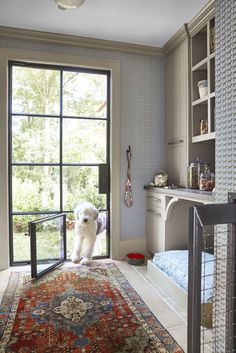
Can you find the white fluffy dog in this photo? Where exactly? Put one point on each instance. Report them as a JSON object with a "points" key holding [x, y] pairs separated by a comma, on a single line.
{"points": [[85, 232]]}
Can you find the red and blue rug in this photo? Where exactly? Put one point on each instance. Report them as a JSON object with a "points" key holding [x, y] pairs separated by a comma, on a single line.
{"points": [[79, 309]]}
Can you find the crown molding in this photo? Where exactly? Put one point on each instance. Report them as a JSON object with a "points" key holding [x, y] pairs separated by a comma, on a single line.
{"points": [[176, 39], [199, 21], [189, 29], [69, 40], [63, 39]]}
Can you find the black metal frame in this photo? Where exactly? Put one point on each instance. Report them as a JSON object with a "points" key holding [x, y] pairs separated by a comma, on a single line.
{"points": [[62, 69], [231, 304], [201, 216], [33, 245]]}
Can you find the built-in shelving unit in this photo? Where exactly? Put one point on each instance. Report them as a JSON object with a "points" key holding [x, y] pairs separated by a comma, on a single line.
{"points": [[203, 68], [190, 58]]}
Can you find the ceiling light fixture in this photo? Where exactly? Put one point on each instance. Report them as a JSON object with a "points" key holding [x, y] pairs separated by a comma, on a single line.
{"points": [[69, 4]]}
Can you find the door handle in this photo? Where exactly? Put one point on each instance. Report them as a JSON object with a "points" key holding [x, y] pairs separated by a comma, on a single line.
{"points": [[175, 142], [104, 179]]}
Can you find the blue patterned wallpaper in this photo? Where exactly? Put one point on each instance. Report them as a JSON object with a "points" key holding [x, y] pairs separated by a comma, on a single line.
{"points": [[225, 98], [142, 121], [225, 26]]}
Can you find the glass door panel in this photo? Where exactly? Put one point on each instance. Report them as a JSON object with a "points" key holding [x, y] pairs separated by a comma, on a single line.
{"points": [[81, 183], [85, 94], [35, 90], [21, 238], [35, 188], [84, 141], [35, 139], [48, 243]]}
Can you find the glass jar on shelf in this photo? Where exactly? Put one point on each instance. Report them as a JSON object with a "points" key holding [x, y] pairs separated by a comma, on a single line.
{"points": [[160, 178], [207, 181], [193, 175]]}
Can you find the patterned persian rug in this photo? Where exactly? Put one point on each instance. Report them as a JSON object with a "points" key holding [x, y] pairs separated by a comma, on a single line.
{"points": [[79, 309]]}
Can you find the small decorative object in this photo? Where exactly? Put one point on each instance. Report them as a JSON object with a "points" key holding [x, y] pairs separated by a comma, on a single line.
{"points": [[203, 88], [161, 178], [193, 176], [212, 39], [203, 127], [135, 259]]}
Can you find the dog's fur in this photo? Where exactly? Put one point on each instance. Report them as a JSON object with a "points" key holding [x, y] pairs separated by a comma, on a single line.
{"points": [[85, 232]]}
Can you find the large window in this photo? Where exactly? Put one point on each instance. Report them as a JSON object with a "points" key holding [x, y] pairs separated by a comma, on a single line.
{"points": [[58, 137]]}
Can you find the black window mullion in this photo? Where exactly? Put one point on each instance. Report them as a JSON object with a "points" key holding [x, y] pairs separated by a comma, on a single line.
{"points": [[29, 213], [83, 118], [43, 116], [10, 164], [80, 164], [108, 244], [61, 140], [37, 164], [58, 67]]}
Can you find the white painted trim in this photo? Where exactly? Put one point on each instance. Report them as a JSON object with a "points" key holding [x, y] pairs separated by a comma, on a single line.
{"points": [[199, 21], [176, 39], [83, 42], [169, 207], [4, 210], [68, 60], [132, 245], [170, 287], [190, 28]]}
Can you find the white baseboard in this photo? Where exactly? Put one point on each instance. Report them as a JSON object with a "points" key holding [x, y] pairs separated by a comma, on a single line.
{"points": [[132, 245]]}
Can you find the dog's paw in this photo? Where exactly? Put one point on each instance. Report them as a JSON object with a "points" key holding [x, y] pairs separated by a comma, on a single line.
{"points": [[85, 261], [75, 259]]}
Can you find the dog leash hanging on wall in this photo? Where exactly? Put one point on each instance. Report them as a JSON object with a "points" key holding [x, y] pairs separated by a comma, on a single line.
{"points": [[128, 185]]}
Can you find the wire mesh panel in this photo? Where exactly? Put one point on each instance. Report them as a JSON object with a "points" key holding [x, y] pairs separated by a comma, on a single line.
{"points": [[211, 301]]}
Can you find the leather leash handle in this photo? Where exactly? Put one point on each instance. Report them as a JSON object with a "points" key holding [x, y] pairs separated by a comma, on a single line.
{"points": [[128, 184]]}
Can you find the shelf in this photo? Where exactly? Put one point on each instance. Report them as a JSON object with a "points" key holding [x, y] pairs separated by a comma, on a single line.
{"points": [[202, 57], [200, 64], [212, 55], [203, 62], [212, 95], [205, 137], [201, 100]]}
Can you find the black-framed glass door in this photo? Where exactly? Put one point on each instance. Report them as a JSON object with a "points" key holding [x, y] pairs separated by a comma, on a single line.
{"points": [[59, 137], [43, 233]]}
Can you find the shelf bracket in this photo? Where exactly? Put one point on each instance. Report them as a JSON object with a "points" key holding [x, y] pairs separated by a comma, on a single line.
{"points": [[170, 206]]}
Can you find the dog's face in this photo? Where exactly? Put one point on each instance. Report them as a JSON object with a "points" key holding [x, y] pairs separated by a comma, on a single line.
{"points": [[85, 213]]}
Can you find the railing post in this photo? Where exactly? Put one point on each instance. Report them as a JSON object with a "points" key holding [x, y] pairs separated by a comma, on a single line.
{"points": [[194, 282]]}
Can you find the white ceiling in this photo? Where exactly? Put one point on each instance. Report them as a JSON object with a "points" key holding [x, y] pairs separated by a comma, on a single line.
{"points": [[147, 22]]}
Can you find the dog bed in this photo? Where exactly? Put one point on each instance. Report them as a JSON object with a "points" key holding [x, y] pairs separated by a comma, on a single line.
{"points": [[169, 269]]}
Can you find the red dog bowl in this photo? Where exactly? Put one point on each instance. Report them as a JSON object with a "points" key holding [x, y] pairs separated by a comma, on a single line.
{"points": [[135, 259]]}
